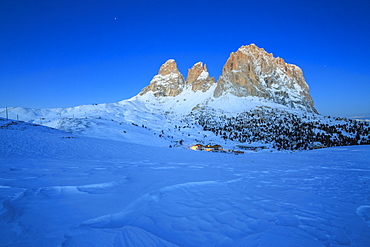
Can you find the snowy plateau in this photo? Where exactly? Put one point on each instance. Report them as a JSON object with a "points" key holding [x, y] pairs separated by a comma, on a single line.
{"points": [[124, 174]]}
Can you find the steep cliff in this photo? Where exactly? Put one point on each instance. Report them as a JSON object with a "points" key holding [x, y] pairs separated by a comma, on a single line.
{"points": [[198, 78], [251, 71], [168, 82]]}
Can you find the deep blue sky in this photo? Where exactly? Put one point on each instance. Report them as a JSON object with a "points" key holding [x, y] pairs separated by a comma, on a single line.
{"points": [[63, 53]]}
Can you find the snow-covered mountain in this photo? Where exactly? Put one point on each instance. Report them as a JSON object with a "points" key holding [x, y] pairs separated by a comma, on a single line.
{"points": [[103, 175], [249, 72], [258, 100]]}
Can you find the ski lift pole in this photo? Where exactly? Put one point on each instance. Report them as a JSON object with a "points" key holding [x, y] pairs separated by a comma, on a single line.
{"points": [[6, 110]]}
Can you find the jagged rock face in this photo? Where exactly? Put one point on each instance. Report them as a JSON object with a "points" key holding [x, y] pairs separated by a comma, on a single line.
{"points": [[198, 78], [168, 82], [251, 71]]}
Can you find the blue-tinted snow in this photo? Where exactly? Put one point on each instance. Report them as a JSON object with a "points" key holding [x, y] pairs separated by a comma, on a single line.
{"points": [[57, 189]]}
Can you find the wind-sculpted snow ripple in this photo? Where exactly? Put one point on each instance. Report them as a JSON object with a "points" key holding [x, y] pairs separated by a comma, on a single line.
{"points": [[60, 191], [215, 213], [101, 188], [364, 212]]}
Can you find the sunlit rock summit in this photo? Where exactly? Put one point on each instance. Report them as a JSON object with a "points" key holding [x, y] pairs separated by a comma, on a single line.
{"points": [[168, 82], [199, 78], [250, 71]]}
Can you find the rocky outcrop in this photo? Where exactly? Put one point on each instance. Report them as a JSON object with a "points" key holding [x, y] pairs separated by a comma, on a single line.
{"points": [[168, 82], [198, 78], [251, 71]]}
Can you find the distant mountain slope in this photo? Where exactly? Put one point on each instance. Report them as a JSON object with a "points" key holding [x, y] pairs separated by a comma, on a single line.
{"points": [[258, 100]]}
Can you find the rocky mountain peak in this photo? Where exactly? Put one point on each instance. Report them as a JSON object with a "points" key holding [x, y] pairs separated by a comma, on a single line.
{"points": [[198, 78], [168, 82], [169, 67], [251, 71]]}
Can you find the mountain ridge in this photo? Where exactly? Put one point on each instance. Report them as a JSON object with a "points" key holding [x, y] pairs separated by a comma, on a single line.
{"points": [[173, 110], [250, 71]]}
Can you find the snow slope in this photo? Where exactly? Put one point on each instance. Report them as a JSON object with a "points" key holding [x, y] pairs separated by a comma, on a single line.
{"points": [[142, 119], [197, 117], [63, 189]]}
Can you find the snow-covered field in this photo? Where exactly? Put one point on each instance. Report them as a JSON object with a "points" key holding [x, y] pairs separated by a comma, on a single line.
{"points": [[61, 189]]}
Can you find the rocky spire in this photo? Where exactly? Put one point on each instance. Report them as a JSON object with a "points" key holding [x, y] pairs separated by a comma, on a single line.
{"points": [[168, 82], [198, 78], [251, 71]]}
